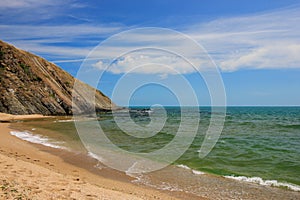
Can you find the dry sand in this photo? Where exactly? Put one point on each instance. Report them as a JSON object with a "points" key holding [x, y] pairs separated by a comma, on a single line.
{"points": [[29, 173], [4, 117], [32, 171]]}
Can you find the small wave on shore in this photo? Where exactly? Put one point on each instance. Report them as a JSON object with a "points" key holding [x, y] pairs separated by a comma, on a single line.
{"points": [[37, 139], [196, 172], [95, 156], [260, 181]]}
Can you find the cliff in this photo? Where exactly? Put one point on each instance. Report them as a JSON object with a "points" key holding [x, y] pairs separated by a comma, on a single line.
{"points": [[31, 85]]}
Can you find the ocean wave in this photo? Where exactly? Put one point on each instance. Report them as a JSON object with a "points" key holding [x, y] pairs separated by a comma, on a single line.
{"points": [[260, 181], [289, 126], [95, 156], [65, 120], [196, 172], [131, 171], [37, 139], [100, 160], [75, 120], [184, 167]]}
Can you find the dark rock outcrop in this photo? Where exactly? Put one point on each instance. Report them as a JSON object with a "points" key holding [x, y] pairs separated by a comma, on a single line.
{"points": [[31, 85]]}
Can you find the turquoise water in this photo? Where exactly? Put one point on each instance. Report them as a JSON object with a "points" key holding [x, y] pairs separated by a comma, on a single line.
{"points": [[261, 142], [255, 142]]}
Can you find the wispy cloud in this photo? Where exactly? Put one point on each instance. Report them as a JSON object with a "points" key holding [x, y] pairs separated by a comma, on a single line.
{"points": [[269, 40], [35, 11], [15, 4], [261, 41], [58, 33], [147, 64], [58, 42]]}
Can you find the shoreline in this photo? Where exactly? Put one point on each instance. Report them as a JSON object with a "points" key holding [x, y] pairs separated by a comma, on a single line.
{"points": [[79, 170], [8, 118], [40, 172]]}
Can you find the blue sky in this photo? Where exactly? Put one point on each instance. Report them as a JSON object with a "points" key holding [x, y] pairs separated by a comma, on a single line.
{"points": [[254, 44]]}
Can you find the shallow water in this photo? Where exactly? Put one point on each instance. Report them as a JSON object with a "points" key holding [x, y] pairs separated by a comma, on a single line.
{"points": [[257, 144]]}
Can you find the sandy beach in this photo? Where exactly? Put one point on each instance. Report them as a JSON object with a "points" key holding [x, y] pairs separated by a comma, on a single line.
{"points": [[35, 171], [27, 172]]}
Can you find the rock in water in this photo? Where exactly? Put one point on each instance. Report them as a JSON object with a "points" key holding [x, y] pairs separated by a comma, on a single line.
{"points": [[31, 85]]}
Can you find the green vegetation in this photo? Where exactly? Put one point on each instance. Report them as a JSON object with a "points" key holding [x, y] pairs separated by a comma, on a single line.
{"points": [[26, 68], [37, 78], [52, 95], [67, 83]]}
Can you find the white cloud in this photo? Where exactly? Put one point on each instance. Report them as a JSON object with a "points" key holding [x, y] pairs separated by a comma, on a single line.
{"points": [[22, 3], [58, 33], [47, 39], [270, 40], [272, 56], [262, 41], [25, 4], [145, 64], [36, 11]]}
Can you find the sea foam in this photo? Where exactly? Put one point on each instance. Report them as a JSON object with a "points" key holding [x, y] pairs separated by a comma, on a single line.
{"points": [[37, 139], [260, 181], [184, 167], [196, 172], [95, 156]]}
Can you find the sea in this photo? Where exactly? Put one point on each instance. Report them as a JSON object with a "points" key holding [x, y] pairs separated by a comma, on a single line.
{"points": [[260, 145]]}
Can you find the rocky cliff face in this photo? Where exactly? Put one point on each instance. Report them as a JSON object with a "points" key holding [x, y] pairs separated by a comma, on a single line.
{"points": [[31, 85]]}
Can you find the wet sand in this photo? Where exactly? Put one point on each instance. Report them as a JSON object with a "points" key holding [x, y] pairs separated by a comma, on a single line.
{"points": [[33, 171], [30, 171]]}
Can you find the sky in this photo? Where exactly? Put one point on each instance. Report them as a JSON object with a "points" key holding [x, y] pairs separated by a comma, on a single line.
{"points": [[167, 52]]}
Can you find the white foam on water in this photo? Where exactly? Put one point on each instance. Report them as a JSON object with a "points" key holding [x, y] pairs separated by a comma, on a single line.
{"points": [[196, 172], [144, 179], [75, 119], [184, 167], [260, 181], [66, 120], [37, 139], [136, 170], [95, 156]]}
